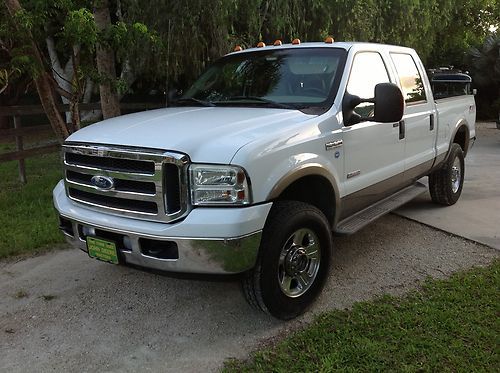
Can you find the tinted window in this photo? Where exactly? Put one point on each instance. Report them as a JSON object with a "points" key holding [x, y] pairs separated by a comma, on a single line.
{"points": [[411, 81], [367, 71], [299, 78]]}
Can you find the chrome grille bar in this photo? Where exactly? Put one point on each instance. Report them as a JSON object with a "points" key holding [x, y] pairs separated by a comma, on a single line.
{"points": [[138, 177]]}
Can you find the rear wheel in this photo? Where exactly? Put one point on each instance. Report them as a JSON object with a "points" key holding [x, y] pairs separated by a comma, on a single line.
{"points": [[293, 262], [445, 184]]}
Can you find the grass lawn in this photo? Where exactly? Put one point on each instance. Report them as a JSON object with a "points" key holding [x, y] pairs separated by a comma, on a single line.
{"points": [[28, 222], [449, 325]]}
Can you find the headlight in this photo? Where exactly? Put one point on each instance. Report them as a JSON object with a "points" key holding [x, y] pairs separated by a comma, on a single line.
{"points": [[218, 185]]}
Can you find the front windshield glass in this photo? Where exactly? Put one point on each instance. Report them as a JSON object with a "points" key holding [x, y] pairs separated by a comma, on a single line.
{"points": [[303, 78]]}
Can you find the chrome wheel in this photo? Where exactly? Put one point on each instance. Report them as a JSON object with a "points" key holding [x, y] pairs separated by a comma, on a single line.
{"points": [[299, 263], [456, 175]]}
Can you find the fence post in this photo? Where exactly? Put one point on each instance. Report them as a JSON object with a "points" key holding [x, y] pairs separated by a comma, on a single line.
{"points": [[19, 147]]}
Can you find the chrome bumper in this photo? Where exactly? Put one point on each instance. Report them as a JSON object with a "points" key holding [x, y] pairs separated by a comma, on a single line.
{"points": [[189, 255]]}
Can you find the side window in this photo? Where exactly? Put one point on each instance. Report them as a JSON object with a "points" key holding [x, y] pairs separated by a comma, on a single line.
{"points": [[411, 81], [368, 69]]}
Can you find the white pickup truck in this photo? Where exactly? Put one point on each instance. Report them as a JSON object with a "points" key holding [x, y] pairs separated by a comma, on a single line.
{"points": [[270, 152]]}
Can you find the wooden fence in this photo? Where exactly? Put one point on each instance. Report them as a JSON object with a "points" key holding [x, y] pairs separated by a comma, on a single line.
{"points": [[18, 131]]}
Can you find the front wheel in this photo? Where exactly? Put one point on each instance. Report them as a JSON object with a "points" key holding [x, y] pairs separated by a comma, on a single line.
{"points": [[445, 184], [294, 260]]}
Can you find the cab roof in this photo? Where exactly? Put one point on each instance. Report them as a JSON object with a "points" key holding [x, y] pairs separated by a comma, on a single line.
{"points": [[343, 45]]}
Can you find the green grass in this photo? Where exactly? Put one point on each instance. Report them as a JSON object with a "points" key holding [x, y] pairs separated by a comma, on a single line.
{"points": [[449, 325], [28, 222]]}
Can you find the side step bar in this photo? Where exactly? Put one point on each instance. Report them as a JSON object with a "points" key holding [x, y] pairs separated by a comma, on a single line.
{"points": [[362, 218]]}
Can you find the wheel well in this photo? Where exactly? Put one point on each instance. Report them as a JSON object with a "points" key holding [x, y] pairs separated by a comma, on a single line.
{"points": [[462, 138], [315, 190]]}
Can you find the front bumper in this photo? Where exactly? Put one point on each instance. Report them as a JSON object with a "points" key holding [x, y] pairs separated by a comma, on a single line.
{"points": [[208, 240]]}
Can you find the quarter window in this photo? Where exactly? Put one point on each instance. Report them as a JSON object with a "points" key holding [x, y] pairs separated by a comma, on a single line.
{"points": [[409, 77], [368, 70]]}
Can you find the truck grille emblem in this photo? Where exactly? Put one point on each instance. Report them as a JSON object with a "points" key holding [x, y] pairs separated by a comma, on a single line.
{"points": [[103, 182]]}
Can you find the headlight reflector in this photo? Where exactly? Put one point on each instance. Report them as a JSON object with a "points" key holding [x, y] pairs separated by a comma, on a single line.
{"points": [[218, 185]]}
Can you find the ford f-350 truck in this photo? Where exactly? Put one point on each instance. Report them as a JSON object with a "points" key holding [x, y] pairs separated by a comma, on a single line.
{"points": [[271, 152]]}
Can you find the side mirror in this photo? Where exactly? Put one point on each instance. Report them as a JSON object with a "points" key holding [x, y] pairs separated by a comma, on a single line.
{"points": [[388, 105]]}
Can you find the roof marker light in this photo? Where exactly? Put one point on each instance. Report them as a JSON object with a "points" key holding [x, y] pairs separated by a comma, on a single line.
{"points": [[296, 41], [261, 44], [278, 43], [329, 40], [238, 48]]}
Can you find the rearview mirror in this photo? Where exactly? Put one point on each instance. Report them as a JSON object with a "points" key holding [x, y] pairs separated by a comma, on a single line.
{"points": [[388, 105], [173, 95]]}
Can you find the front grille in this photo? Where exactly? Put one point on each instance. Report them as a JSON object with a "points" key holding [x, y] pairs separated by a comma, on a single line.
{"points": [[120, 184], [112, 164], [146, 184], [113, 202]]}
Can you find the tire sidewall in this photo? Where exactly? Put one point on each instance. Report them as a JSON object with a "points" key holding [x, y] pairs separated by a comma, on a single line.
{"points": [[275, 236], [455, 153]]}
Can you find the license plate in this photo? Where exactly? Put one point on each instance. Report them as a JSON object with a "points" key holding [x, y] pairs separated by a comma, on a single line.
{"points": [[102, 249]]}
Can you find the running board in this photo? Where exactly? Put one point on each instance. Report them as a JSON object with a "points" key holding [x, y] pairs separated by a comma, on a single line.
{"points": [[359, 220]]}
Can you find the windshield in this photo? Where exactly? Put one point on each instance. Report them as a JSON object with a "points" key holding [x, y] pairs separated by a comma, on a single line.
{"points": [[303, 78]]}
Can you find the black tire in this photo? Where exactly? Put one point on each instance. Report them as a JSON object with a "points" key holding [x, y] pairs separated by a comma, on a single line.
{"points": [[444, 185], [263, 286]]}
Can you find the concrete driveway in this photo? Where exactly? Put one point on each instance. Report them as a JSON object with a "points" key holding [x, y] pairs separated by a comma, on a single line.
{"points": [[66, 312], [477, 214]]}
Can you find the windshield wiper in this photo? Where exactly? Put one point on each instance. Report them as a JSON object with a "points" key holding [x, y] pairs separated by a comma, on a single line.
{"points": [[260, 100], [192, 99]]}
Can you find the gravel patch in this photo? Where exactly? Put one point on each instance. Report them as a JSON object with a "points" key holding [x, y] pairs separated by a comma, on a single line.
{"points": [[77, 314]]}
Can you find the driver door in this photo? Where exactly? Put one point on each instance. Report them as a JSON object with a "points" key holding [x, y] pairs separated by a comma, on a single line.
{"points": [[374, 152]]}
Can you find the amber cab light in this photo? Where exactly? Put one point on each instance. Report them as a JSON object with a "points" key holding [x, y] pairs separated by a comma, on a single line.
{"points": [[296, 41], [261, 44], [277, 43], [329, 40]]}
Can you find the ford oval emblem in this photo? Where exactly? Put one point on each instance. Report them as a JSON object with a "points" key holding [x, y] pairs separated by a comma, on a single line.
{"points": [[103, 182]]}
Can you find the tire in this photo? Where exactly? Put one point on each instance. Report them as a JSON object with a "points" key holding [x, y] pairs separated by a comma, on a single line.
{"points": [[293, 262], [445, 184]]}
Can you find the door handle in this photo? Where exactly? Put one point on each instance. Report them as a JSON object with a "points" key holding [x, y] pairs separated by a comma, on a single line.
{"points": [[431, 124], [402, 130]]}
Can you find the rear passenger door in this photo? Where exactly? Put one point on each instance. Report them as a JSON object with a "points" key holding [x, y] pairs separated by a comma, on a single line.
{"points": [[419, 116]]}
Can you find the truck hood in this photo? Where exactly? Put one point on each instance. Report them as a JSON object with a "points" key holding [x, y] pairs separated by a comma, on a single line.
{"points": [[207, 134]]}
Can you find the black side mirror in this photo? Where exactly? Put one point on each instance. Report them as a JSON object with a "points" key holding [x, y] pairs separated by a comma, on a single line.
{"points": [[389, 103]]}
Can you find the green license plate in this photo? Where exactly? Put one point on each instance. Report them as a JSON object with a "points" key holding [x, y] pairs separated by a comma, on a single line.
{"points": [[102, 250]]}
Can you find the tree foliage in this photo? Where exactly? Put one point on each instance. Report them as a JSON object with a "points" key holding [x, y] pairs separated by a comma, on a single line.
{"points": [[484, 63], [162, 43]]}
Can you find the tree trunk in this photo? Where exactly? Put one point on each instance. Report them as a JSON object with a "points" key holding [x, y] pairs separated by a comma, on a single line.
{"points": [[106, 64], [63, 76], [47, 95]]}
